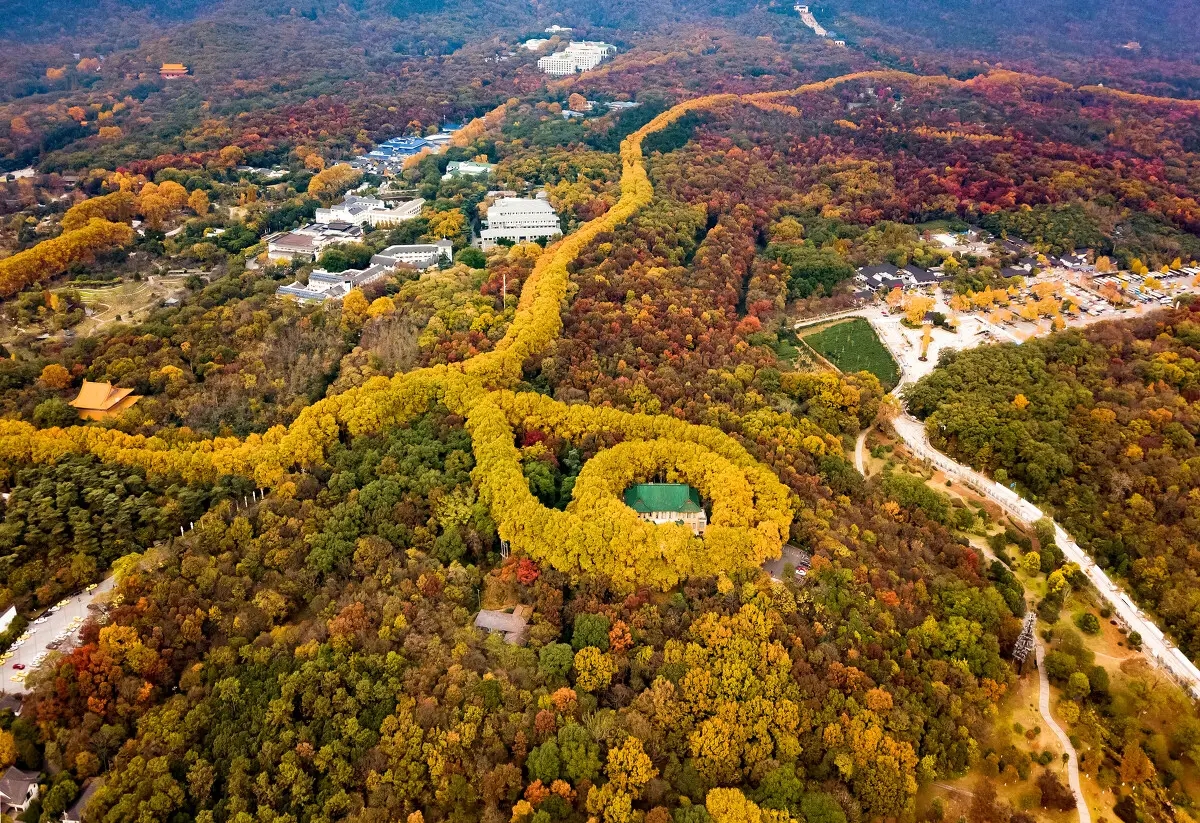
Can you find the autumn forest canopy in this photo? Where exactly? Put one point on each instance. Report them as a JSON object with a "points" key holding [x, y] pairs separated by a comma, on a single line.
{"points": [[311, 508]]}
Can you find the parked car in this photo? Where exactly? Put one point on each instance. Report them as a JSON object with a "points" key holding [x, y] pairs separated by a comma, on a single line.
{"points": [[18, 666]]}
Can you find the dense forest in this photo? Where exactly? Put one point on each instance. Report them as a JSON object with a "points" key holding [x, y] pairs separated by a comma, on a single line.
{"points": [[311, 655]]}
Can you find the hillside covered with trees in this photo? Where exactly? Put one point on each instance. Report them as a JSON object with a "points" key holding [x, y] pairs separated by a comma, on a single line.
{"points": [[436, 443]]}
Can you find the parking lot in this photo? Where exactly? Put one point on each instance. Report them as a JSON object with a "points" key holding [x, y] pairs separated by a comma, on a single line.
{"points": [[61, 624]]}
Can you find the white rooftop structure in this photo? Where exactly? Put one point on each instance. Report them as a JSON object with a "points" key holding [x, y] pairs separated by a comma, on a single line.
{"points": [[421, 256], [358, 210], [466, 168], [513, 627], [520, 220], [580, 55], [535, 44]]}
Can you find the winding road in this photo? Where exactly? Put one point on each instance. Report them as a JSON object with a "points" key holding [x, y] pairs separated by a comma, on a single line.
{"points": [[1161, 651], [1157, 647]]}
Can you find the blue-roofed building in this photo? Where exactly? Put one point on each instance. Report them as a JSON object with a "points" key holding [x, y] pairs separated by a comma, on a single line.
{"points": [[399, 147]]}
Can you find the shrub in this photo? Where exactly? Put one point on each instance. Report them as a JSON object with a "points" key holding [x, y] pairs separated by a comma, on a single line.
{"points": [[472, 257], [1088, 623], [1060, 665]]}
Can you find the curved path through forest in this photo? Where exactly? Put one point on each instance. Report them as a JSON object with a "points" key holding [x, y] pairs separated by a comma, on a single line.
{"points": [[1157, 647], [1039, 649], [1085, 815], [860, 448]]}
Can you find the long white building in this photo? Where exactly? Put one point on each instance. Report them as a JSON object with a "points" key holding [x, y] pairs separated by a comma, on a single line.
{"points": [[581, 55], [420, 256], [357, 210], [519, 219]]}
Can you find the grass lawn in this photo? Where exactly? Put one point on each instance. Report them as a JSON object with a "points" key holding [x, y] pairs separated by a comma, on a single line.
{"points": [[852, 345]]}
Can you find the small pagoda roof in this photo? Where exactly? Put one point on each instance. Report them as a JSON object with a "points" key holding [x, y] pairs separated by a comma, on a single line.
{"points": [[104, 397], [645, 498]]}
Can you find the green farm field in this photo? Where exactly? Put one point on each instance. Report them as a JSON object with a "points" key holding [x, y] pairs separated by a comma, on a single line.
{"points": [[851, 346]]}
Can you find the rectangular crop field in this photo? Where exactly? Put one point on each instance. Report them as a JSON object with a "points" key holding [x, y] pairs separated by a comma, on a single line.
{"points": [[853, 346]]}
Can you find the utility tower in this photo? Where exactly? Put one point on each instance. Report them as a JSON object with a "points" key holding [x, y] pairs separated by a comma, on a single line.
{"points": [[1024, 644]]}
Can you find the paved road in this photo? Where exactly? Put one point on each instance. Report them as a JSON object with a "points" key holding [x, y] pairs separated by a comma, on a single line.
{"points": [[58, 622], [1039, 651], [1159, 650], [1085, 816], [860, 446], [1157, 647]]}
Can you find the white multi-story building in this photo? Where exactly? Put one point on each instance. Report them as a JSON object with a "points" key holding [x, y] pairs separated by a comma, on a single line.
{"points": [[580, 55], [358, 210], [520, 220], [323, 285]]}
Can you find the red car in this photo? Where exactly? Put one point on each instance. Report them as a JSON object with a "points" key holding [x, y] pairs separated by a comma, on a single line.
{"points": [[18, 666]]}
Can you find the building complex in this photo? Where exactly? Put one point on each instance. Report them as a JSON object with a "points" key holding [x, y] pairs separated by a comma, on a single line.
{"points": [[389, 156], [580, 55], [467, 168], [357, 210], [306, 244], [324, 285]]}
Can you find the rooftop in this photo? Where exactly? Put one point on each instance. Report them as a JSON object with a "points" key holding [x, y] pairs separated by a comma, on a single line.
{"points": [[103, 397], [14, 785], [76, 810], [645, 498], [512, 625]]}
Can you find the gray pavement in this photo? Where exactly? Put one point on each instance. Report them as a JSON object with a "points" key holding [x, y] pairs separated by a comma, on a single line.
{"points": [[63, 622]]}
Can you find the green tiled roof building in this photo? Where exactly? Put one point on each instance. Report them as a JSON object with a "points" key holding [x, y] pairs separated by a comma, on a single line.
{"points": [[668, 503]]}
